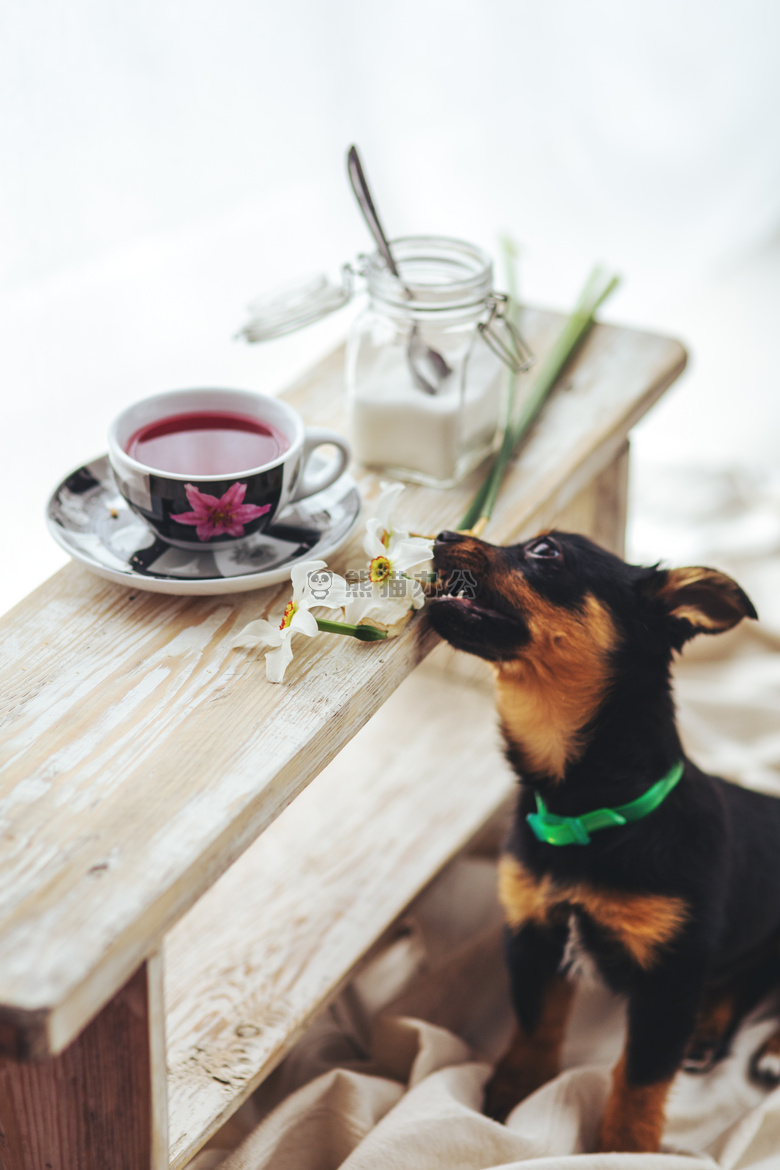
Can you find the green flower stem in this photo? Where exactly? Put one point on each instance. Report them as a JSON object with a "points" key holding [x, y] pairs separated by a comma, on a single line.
{"points": [[573, 333], [362, 633], [510, 252], [474, 510], [489, 489]]}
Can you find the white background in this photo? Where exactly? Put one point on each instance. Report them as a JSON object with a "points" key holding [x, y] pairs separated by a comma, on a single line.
{"points": [[163, 162]]}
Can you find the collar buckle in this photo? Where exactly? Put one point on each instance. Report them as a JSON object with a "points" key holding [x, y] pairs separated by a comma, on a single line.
{"points": [[558, 830], [554, 830]]}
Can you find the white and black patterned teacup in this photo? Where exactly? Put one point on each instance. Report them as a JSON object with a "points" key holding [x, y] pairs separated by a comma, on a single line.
{"points": [[193, 510]]}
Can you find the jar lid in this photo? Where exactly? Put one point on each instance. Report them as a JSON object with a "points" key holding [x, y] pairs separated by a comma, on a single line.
{"points": [[291, 306], [435, 274]]}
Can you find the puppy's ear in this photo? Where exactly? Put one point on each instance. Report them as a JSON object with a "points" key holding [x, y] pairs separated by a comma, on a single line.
{"points": [[703, 601]]}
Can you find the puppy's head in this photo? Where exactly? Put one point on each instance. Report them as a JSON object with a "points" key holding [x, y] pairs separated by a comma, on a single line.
{"points": [[562, 620], [507, 603]]}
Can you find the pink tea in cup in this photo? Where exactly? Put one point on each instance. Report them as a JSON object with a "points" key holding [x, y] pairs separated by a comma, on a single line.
{"points": [[206, 442]]}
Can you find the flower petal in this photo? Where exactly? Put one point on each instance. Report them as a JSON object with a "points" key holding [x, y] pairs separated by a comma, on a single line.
{"points": [[372, 541], [234, 496], [300, 575], [407, 561], [277, 661], [188, 518], [404, 538], [246, 512], [304, 623], [387, 502], [404, 554], [200, 501], [360, 603], [259, 632], [330, 596], [416, 593]]}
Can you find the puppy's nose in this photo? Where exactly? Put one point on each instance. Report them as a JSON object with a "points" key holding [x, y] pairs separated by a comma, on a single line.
{"points": [[448, 537]]}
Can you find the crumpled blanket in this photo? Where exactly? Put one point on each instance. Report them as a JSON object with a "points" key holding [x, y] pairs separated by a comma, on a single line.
{"points": [[392, 1075]]}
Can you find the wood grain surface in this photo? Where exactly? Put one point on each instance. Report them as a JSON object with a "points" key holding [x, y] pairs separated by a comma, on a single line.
{"points": [[272, 942], [102, 1102], [141, 754]]}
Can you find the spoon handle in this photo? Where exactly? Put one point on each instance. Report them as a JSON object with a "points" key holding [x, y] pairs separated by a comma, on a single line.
{"points": [[363, 196]]}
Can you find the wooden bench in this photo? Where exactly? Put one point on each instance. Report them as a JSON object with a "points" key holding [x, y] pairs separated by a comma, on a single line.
{"points": [[143, 758]]}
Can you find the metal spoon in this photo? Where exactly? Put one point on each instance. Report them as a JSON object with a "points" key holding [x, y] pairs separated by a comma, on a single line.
{"points": [[427, 367]]}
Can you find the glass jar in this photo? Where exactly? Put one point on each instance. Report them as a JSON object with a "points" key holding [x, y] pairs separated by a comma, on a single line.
{"points": [[426, 359], [426, 362]]}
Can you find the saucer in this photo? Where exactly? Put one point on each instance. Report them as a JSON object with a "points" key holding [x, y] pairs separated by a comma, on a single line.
{"points": [[88, 517]]}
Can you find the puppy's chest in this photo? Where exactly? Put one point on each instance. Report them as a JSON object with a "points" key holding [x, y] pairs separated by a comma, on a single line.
{"points": [[578, 962], [640, 926]]}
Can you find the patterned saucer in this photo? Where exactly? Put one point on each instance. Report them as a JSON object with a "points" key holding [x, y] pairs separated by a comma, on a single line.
{"points": [[87, 516]]}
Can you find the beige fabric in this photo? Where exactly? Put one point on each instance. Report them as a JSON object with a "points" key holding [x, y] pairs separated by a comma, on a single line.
{"points": [[392, 1076], [413, 1098]]}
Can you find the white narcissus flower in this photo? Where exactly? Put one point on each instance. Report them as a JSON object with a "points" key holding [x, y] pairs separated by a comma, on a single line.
{"points": [[392, 554], [313, 584], [394, 559]]}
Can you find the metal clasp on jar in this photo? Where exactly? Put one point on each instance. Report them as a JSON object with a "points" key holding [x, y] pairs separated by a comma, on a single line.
{"points": [[292, 306], [516, 355]]}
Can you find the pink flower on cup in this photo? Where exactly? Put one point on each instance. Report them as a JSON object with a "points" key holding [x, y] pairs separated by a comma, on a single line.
{"points": [[216, 517]]}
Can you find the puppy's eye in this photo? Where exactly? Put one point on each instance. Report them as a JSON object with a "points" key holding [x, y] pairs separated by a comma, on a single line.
{"points": [[545, 548]]}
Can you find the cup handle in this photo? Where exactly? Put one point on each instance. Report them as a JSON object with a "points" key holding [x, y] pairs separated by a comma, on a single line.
{"points": [[311, 482]]}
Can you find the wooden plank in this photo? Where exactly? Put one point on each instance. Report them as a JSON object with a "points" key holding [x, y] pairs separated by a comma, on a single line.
{"points": [[274, 940], [609, 528], [599, 510], [102, 1102], [142, 754]]}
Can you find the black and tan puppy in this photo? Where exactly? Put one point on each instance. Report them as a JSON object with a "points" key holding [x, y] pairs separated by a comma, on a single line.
{"points": [[668, 878]]}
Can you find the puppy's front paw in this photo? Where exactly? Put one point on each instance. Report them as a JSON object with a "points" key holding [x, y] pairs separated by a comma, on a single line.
{"points": [[628, 1135], [512, 1082], [501, 1094], [634, 1115]]}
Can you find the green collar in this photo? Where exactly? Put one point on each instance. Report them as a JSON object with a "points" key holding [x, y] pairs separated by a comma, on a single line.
{"points": [[557, 830]]}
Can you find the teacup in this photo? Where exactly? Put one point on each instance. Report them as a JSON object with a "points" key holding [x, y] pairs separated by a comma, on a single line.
{"points": [[162, 449]]}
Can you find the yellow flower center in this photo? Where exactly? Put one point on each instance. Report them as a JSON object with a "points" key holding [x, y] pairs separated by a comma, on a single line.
{"points": [[379, 569], [288, 615]]}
